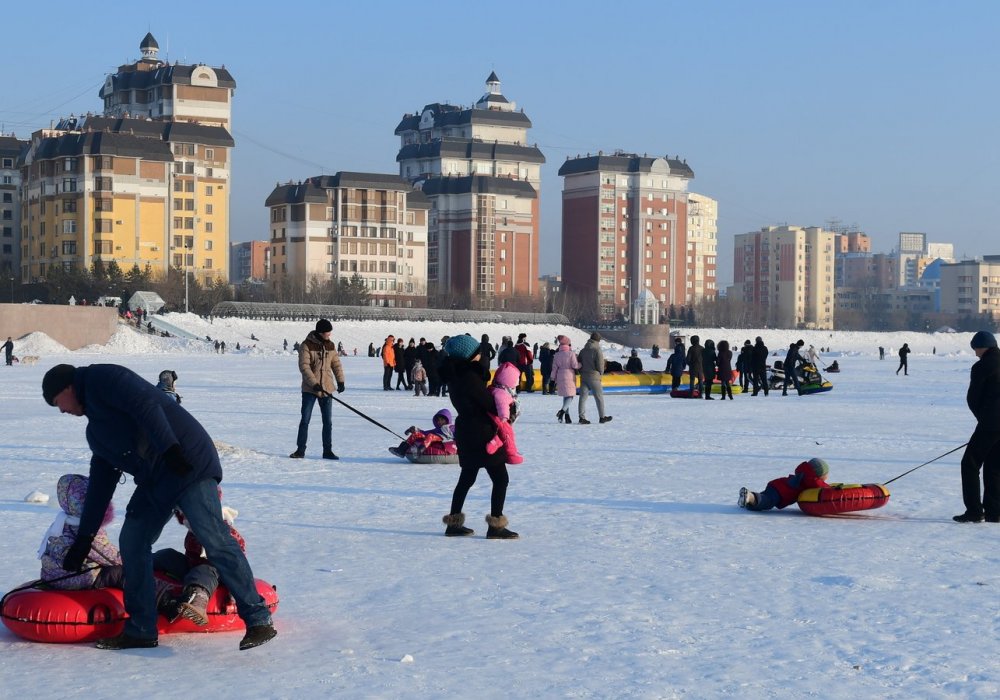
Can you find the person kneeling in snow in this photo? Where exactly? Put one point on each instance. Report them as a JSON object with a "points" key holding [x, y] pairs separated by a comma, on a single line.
{"points": [[783, 492], [504, 392], [439, 440]]}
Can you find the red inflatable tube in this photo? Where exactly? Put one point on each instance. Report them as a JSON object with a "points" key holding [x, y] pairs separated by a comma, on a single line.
{"points": [[63, 617], [843, 498]]}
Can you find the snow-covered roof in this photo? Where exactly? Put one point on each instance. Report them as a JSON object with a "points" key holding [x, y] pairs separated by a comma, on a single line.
{"points": [[149, 301]]}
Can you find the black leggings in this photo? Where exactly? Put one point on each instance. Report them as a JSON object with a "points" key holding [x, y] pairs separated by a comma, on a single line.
{"points": [[499, 477]]}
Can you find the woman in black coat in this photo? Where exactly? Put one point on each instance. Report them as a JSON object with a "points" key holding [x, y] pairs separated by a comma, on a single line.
{"points": [[474, 427]]}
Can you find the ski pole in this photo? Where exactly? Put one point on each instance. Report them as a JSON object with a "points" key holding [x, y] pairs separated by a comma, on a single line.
{"points": [[366, 417], [925, 464]]}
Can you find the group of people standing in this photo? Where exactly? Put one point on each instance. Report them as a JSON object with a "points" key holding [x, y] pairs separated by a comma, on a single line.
{"points": [[708, 362]]}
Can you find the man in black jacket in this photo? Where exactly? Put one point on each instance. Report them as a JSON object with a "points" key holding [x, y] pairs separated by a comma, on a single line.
{"points": [[135, 428], [758, 364], [793, 358], [983, 451]]}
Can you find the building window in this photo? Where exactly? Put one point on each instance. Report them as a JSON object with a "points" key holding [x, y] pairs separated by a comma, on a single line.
{"points": [[69, 247], [69, 226], [208, 227], [209, 209], [208, 263], [208, 245], [69, 184], [8, 162], [208, 190], [69, 206], [102, 183], [102, 225], [189, 222], [209, 154], [102, 247], [8, 197]]}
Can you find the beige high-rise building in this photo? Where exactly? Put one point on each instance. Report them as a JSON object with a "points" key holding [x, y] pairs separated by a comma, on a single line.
{"points": [[336, 226], [971, 287], [702, 241], [787, 271], [146, 184]]}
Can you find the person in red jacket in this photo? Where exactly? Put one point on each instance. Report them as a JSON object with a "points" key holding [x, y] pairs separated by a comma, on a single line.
{"points": [[783, 492]]}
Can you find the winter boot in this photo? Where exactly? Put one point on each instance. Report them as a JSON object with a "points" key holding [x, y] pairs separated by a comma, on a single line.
{"points": [[298, 454], [566, 418], [968, 518], [748, 499], [559, 415], [193, 605], [328, 454], [498, 528], [257, 635], [456, 525], [582, 421], [126, 641], [607, 419]]}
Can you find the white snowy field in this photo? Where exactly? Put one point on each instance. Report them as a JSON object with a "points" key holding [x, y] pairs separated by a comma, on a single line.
{"points": [[636, 575]]}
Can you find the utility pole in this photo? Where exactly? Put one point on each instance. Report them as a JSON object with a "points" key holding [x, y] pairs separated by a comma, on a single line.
{"points": [[186, 248]]}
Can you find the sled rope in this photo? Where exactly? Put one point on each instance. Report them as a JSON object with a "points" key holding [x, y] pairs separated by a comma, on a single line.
{"points": [[925, 464], [36, 582], [366, 417]]}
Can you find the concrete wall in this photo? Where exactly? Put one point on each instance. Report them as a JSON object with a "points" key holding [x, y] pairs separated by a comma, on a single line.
{"points": [[72, 326], [638, 336]]}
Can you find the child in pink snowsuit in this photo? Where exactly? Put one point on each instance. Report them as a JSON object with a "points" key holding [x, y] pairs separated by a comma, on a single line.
{"points": [[504, 391]]}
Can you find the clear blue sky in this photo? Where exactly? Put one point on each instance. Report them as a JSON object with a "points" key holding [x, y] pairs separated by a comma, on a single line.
{"points": [[883, 114]]}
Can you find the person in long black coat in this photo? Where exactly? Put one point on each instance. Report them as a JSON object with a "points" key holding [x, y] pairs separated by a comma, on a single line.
{"points": [[474, 428], [758, 363], [983, 451], [545, 354], [486, 352]]}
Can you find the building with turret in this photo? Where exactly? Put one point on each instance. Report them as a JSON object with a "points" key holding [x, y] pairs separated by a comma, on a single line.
{"points": [[145, 184], [482, 178]]}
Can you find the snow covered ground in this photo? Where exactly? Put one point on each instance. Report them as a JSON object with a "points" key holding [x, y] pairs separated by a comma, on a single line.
{"points": [[636, 576]]}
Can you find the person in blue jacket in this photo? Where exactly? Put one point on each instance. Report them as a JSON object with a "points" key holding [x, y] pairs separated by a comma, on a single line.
{"points": [[135, 428]]}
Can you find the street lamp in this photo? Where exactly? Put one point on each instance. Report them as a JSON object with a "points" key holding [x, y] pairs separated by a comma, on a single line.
{"points": [[186, 248]]}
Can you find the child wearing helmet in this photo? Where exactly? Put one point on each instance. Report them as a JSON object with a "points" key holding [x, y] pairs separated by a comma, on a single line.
{"points": [[783, 492]]}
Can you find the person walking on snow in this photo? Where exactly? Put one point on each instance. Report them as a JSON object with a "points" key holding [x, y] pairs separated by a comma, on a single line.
{"points": [[563, 375], [983, 451], [903, 365], [321, 372], [758, 366], [388, 362], [135, 428], [8, 349], [793, 358], [696, 375], [591, 369], [474, 428]]}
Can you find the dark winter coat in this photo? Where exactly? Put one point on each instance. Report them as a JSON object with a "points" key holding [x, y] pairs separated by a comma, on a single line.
{"points": [[409, 357], [983, 396], [708, 357], [130, 425], [634, 365], [758, 356], [724, 361], [694, 360], [677, 361], [744, 361], [486, 353], [792, 359], [507, 354], [545, 361], [319, 363], [476, 407], [591, 359]]}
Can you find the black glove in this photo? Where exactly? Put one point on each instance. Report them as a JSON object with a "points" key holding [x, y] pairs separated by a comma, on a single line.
{"points": [[176, 461], [340, 387], [77, 552], [318, 388]]}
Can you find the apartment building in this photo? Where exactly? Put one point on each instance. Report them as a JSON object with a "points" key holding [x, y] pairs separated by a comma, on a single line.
{"points": [[788, 272], [625, 231], [145, 184], [249, 261], [702, 233], [333, 227], [971, 287], [11, 149], [482, 179]]}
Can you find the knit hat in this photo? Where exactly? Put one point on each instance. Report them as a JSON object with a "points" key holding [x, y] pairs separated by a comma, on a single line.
{"points": [[983, 339], [55, 380], [564, 340], [462, 346], [323, 326], [595, 336], [820, 467]]}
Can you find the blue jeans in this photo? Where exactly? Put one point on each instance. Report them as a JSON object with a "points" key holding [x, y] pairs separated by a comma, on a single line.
{"points": [[326, 410], [143, 524]]}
